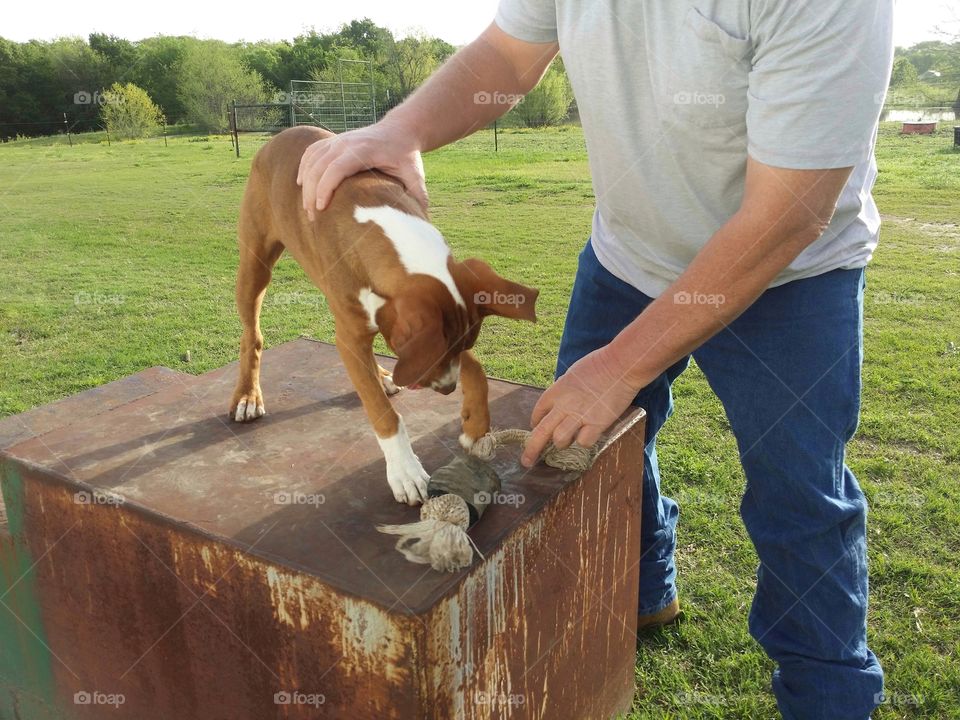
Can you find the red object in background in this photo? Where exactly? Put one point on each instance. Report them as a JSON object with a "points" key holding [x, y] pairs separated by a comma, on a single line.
{"points": [[918, 128]]}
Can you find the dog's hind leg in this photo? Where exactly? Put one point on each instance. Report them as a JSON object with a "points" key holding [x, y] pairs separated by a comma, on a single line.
{"points": [[257, 258]]}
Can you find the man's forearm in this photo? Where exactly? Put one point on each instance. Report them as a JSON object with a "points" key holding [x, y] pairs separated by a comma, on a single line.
{"points": [[477, 85], [783, 212], [725, 278]]}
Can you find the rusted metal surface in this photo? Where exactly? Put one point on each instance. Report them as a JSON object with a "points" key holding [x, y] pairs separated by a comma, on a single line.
{"points": [[206, 567], [546, 627], [82, 406]]}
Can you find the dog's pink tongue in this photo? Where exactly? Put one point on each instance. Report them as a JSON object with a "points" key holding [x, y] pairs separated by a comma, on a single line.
{"points": [[415, 387]]}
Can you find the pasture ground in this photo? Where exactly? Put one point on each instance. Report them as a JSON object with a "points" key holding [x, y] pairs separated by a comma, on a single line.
{"points": [[118, 258]]}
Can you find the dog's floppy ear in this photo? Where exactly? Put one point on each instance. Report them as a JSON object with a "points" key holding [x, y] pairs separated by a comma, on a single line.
{"points": [[495, 295], [416, 336]]}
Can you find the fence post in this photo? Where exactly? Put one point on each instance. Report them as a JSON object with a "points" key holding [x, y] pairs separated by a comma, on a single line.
{"points": [[236, 131], [107, 130], [373, 95], [66, 126], [343, 97], [496, 141], [293, 115], [165, 132]]}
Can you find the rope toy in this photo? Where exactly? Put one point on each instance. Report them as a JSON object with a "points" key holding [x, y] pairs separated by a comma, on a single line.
{"points": [[575, 457], [460, 492]]}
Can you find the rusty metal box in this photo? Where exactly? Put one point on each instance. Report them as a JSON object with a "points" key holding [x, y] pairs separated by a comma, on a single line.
{"points": [[158, 562]]}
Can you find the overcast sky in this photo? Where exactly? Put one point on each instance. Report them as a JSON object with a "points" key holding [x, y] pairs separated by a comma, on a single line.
{"points": [[455, 22]]}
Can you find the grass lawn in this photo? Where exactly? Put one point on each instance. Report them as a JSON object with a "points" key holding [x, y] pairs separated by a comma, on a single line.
{"points": [[118, 258]]}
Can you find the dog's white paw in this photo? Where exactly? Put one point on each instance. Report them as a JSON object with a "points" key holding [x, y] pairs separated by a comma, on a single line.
{"points": [[408, 480], [466, 442], [249, 409], [405, 474]]}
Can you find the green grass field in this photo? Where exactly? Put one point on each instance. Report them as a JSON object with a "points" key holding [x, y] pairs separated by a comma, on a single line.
{"points": [[119, 258]]}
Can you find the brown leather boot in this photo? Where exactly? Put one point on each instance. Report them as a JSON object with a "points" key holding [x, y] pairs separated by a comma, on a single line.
{"points": [[666, 616]]}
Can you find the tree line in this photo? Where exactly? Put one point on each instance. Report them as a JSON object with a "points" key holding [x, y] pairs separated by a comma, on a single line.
{"points": [[46, 86], [193, 81], [927, 73]]}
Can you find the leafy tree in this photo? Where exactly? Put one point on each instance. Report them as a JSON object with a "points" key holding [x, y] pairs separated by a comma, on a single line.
{"points": [[158, 71], [411, 60], [195, 80], [119, 56], [128, 112], [333, 69], [904, 73], [28, 90], [301, 58], [938, 65], [549, 102], [266, 59], [367, 37], [211, 77]]}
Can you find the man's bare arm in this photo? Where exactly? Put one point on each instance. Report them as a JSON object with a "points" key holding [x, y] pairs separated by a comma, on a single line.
{"points": [[782, 212], [448, 106]]}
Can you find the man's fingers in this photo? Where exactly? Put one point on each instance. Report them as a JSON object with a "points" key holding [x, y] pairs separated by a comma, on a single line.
{"points": [[333, 175], [309, 190], [418, 188], [304, 163], [543, 406], [309, 158], [311, 170], [566, 431], [539, 438], [588, 436], [413, 180]]}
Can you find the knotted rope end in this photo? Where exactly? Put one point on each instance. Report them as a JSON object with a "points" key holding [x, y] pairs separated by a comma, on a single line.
{"points": [[576, 457], [440, 538]]}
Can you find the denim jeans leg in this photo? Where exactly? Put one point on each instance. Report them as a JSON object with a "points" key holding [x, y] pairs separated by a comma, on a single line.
{"points": [[788, 374], [601, 305]]}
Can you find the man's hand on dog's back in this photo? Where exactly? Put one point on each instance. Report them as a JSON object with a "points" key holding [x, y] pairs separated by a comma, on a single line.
{"points": [[384, 146], [481, 82]]}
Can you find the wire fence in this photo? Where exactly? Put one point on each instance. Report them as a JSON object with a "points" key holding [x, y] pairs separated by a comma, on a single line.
{"points": [[68, 131], [265, 118]]}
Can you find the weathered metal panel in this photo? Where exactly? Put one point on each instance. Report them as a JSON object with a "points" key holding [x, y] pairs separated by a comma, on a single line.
{"points": [[84, 405], [26, 660], [182, 626], [205, 567], [546, 627]]}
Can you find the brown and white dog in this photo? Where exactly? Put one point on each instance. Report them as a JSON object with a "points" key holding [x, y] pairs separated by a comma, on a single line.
{"points": [[383, 268]]}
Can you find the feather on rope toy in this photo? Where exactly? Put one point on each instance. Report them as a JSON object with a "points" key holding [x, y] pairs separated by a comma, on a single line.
{"points": [[459, 493]]}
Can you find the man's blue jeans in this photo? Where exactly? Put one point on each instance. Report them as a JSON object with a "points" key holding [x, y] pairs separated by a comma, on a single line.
{"points": [[788, 374]]}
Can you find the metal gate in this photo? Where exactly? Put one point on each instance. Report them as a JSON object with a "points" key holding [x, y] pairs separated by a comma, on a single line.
{"points": [[338, 105], [335, 105]]}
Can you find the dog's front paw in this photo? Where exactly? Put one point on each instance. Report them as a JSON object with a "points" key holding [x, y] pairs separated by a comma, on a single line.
{"points": [[247, 406], [405, 474], [408, 480], [476, 424]]}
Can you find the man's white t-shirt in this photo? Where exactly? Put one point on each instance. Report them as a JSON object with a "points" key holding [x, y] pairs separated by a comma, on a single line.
{"points": [[674, 95]]}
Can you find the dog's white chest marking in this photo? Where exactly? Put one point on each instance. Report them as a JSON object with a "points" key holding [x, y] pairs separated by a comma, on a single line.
{"points": [[371, 302], [418, 243]]}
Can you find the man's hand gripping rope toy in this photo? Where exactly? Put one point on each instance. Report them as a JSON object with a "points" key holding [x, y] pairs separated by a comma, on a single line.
{"points": [[459, 493]]}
